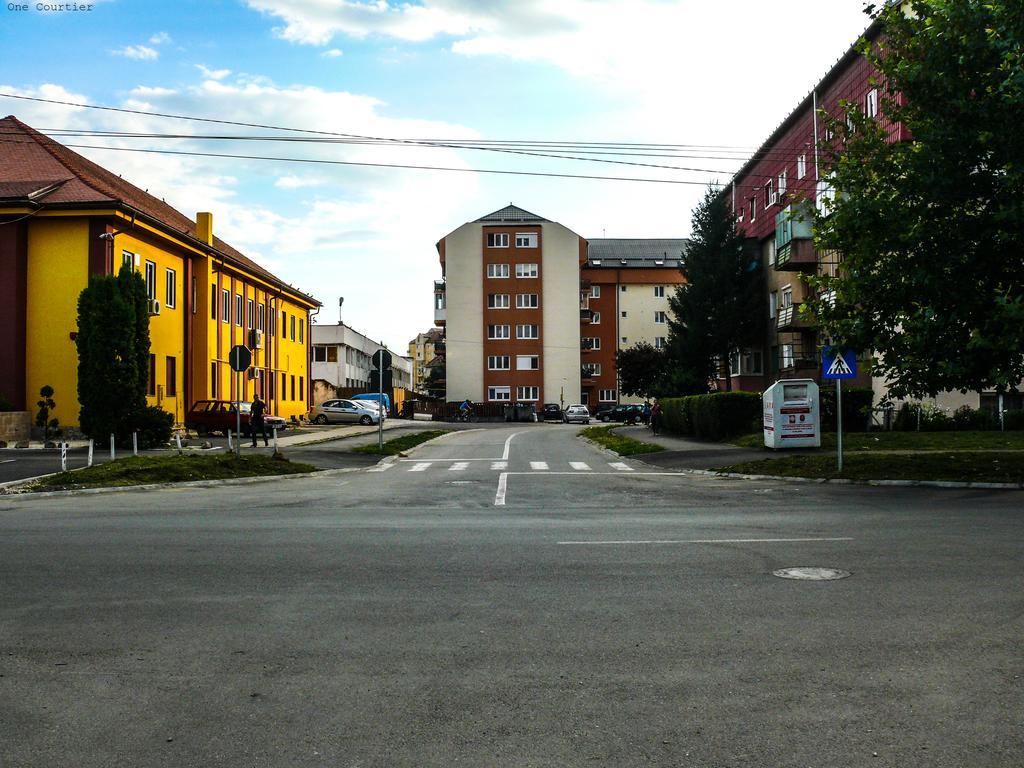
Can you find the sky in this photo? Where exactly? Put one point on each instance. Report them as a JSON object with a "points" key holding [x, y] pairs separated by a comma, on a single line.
{"points": [[716, 77]]}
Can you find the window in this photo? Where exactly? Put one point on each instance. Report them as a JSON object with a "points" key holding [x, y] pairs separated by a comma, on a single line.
{"points": [[786, 297], [497, 270], [801, 166], [302, 389], [773, 304], [151, 379], [497, 301], [225, 305], [527, 393], [591, 342], [497, 240], [623, 288], [302, 330], [591, 370], [499, 393], [526, 270], [753, 209], [273, 319], [498, 362], [260, 315], [284, 386], [170, 288], [250, 313], [527, 301], [319, 354], [606, 395], [526, 240], [782, 183], [238, 309], [787, 355], [498, 331], [659, 291], [284, 325], [624, 313], [527, 362], [213, 302], [171, 377], [595, 291], [595, 318], [659, 342], [292, 334], [127, 257], [871, 103], [527, 331], [769, 193], [195, 294], [213, 381], [660, 317], [151, 279], [771, 252], [293, 388]]}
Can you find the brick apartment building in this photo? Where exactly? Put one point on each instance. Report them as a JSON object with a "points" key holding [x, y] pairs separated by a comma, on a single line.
{"points": [[534, 313]]}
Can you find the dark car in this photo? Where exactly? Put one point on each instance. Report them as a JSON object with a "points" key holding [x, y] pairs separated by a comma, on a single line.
{"points": [[602, 411], [628, 414], [551, 412], [209, 416]]}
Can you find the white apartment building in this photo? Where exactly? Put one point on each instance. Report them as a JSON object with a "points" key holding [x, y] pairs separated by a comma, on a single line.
{"points": [[342, 357]]}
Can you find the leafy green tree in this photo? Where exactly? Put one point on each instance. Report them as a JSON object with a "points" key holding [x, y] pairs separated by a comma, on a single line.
{"points": [[930, 228], [720, 306], [641, 370], [113, 354]]}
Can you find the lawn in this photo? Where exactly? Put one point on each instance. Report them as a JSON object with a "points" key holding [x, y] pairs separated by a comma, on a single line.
{"points": [[143, 470], [911, 441], [624, 446], [963, 466], [401, 444]]}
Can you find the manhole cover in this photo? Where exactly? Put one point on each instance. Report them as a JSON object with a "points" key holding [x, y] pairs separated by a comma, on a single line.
{"points": [[811, 573]]}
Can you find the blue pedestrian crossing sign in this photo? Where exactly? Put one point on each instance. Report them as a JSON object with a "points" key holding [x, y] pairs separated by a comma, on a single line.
{"points": [[838, 363]]}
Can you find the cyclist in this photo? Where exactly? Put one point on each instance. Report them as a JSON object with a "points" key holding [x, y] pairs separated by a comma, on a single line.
{"points": [[465, 409]]}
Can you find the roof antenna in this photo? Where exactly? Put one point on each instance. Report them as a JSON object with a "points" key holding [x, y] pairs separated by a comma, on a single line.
{"points": [[341, 300]]}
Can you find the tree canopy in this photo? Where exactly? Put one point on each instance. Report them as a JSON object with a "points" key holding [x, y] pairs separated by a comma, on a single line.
{"points": [[641, 370], [930, 229]]}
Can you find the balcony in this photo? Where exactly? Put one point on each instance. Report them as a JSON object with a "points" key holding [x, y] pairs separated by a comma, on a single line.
{"points": [[439, 316], [587, 345], [796, 255], [586, 315], [440, 302], [790, 319]]}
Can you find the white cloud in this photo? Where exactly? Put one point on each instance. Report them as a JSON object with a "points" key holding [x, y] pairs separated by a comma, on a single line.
{"points": [[160, 38], [298, 182], [137, 52], [213, 74], [332, 53]]}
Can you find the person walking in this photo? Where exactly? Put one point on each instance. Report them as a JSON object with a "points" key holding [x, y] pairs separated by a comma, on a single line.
{"points": [[655, 417], [256, 421]]}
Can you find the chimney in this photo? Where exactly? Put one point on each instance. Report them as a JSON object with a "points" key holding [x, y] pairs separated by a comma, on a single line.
{"points": [[204, 227]]}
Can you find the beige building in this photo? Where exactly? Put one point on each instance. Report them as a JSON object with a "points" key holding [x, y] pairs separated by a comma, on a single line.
{"points": [[422, 351]]}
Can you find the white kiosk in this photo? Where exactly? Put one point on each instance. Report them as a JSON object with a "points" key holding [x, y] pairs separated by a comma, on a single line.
{"points": [[791, 414]]}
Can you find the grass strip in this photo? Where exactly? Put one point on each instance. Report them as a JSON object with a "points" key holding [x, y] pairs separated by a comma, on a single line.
{"points": [[624, 446], [957, 466], [401, 444], [911, 441], [143, 470]]}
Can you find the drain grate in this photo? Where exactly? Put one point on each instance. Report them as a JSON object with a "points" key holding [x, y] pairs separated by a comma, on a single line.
{"points": [[811, 573]]}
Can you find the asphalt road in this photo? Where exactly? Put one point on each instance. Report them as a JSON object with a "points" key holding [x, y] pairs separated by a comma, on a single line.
{"points": [[603, 615]]}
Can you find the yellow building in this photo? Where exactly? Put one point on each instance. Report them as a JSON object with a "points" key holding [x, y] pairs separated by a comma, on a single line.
{"points": [[422, 350], [64, 218]]}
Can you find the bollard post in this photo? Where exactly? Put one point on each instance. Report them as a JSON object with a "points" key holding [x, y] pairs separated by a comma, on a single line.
{"points": [[135, 443], [88, 461], [177, 439], [230, 447], [113, 451], [63, 456], [275, 441]]}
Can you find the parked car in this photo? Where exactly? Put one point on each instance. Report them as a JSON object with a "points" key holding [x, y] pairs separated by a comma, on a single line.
{"points": [[603, 410], [376, 397], [208, 416], [628, 414], [551, 412], [345, 411], [578, 413]]}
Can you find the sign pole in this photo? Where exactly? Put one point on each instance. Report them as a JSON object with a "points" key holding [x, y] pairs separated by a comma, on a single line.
{"points": [[380, 402], [839, 422], [238, 415]]}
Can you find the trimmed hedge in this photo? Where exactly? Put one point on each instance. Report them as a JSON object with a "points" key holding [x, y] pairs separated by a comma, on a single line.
{"points": [[712, 417]]}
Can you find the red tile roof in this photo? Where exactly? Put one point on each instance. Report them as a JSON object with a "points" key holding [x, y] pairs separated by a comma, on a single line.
{"points": [[30, 162]]}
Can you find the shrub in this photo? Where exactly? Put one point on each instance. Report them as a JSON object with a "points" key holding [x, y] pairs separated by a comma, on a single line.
{"points": [[50, 427], [154, 426], [713, 417], [857, 402]]}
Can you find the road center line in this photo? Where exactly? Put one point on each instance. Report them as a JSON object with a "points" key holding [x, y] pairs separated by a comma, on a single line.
{"points": [[698, 541], [499, 496]]}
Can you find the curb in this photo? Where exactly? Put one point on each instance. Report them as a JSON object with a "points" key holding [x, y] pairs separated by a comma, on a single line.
{"points": [[950, 484]]}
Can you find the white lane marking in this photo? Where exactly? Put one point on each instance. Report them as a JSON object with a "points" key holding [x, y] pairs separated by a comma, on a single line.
{"points": [[383, 468], [420, 466], [439, 458], [499, 496], [499, 465], [8, 461], [458, 466], [508, 445], [701, 541], [539, 466], [581, 465], [621, 466]]}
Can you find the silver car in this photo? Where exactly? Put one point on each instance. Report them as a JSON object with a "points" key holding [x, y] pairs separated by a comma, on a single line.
{"points": [[578, 413], [345, 411]]}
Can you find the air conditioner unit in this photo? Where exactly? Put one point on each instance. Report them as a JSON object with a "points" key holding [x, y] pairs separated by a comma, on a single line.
{"points": [[252, 373], [153, 307], [255, 339]]}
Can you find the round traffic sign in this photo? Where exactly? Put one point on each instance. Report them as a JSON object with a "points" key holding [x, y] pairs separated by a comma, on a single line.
{"points": [[240, 358]]}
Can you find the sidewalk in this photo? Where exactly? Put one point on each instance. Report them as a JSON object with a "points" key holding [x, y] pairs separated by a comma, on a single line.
{"points": [[686, 453], [335, 433]]}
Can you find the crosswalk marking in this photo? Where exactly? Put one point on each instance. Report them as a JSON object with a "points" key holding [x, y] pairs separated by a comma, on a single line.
{"points": [[420, 467], [539, 465], [458, 466], [383, 468], [499, 465], [503, 466], [581, 465], [622, 467]]}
